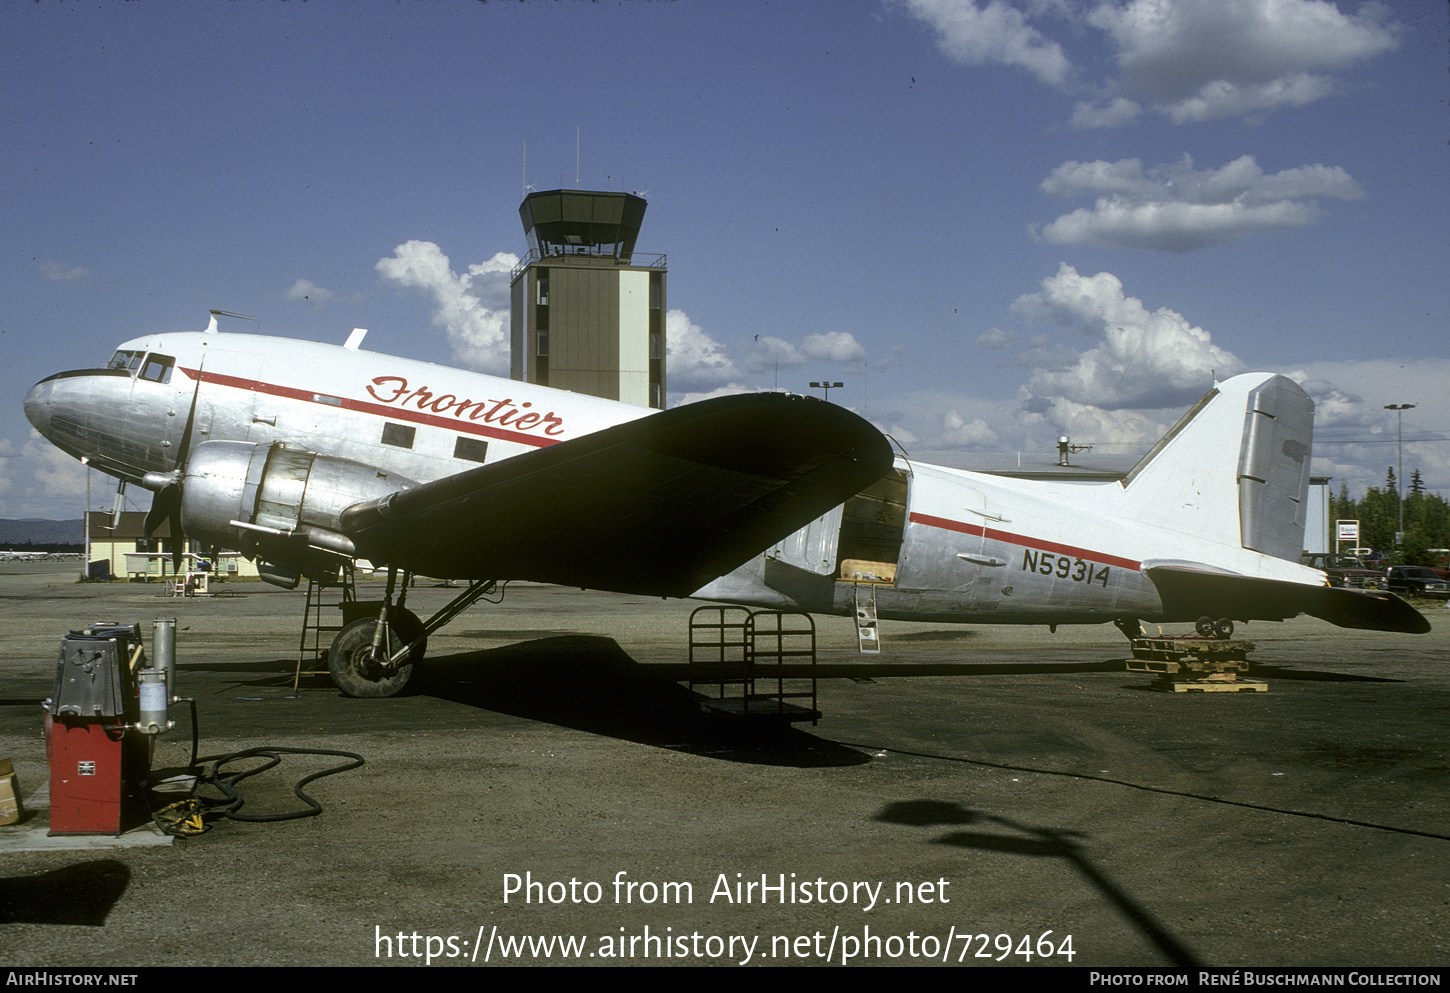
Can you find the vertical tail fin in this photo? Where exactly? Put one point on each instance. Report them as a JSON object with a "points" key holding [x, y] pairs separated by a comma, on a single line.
{"points": [[1234, 469]]}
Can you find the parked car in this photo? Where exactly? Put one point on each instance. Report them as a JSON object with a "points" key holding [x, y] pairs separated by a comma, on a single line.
{"points": [[1417, 580], [1345, 570]]}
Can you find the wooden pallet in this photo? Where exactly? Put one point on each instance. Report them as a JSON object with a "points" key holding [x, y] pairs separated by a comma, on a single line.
{"points": [[1195, 665]]}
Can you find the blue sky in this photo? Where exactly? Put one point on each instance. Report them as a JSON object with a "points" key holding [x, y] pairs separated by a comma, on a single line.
{"points": [[995, 222]]}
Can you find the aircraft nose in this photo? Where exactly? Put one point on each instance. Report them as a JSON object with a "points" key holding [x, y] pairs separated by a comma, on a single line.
{"points": [[37, 406]]}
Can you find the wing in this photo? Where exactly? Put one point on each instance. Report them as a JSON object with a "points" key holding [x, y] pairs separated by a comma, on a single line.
{"points": [[661, 505], [1188, 592]]}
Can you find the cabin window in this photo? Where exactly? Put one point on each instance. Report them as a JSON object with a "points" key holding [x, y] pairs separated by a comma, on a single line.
{"points": [[157, 368], [471, 449], [398, 435]]}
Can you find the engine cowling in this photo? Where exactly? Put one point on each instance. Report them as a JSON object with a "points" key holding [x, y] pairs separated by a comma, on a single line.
{"points": [[277, 502]]}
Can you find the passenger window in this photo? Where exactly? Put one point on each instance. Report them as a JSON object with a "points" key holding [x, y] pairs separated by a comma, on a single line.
{"points": [[471, 449], [157, 368], [398, 435]]}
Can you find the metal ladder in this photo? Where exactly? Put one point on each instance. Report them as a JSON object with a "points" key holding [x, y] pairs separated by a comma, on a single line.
{"points": [[868, 641], [316, 624]]}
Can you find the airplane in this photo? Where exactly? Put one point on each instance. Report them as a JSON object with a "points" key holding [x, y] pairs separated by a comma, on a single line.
{"points": [[1207, 528], [304, 455]]}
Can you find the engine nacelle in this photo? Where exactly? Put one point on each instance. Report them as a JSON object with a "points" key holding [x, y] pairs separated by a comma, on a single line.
{"points": [[274, 501]]}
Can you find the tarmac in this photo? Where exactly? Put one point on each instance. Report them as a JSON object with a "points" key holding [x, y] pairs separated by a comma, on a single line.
{"points": [[546, 791]]}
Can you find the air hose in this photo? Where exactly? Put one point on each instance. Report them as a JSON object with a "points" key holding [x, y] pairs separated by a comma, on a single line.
{"points": [[185, 817]]}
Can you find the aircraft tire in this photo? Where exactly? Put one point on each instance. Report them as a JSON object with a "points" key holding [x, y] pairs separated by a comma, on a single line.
{"points": [[347, 662], [1223, 628], [1204, 626]]}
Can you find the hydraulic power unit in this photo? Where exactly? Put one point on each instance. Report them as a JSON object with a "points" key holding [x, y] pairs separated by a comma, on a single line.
{"points": [[96, 744]]}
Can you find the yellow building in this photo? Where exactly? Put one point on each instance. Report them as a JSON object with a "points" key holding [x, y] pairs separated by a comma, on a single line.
{"points": [[124, 552]]}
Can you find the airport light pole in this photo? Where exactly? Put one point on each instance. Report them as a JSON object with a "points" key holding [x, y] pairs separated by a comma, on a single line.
{"points": [[1399, 409], [828, 387]]}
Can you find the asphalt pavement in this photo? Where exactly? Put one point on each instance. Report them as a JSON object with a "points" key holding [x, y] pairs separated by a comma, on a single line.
{"points": [[546, 791]]}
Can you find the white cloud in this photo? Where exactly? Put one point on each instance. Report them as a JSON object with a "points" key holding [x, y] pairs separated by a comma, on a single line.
{"points": [[833, 346], [1188, 60], [1354, 436], [1196, 60], [994, 33], [59, 272], [472, 307], [693, 358], [1114, 114], [680, 399], [1144, 359], [1176, 208], [958, 432], [996, 339], [306, 291]]}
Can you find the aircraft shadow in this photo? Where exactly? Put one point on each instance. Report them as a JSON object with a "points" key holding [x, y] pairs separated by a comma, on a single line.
{"points": [[589, 683], [76, 894], [1035, 842]]}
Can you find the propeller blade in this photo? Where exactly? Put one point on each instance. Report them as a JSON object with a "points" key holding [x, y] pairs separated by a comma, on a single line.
{"points": [[167, 503], [185, 448], [178, 540], [163, 505], [118, 505]]}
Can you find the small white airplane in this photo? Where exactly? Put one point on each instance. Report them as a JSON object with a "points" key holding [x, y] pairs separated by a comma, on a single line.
{"points": [[14, 556], [303, 455]]}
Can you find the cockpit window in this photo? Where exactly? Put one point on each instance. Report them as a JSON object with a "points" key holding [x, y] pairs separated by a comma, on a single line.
{"points": [[157, 368], [125, 360]]}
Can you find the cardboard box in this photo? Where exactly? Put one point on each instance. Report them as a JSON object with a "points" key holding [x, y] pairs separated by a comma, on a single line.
{"points": [[10, 810]]}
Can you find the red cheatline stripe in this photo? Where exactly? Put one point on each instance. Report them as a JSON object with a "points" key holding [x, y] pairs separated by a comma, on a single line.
{"points": [[1025, 542], [381, 410]]}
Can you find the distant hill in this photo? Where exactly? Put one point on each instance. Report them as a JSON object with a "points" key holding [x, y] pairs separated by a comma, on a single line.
{"points": [[36, 531]]}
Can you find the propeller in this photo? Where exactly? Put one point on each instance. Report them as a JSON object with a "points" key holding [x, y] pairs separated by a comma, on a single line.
{"points": [[166, 504]]}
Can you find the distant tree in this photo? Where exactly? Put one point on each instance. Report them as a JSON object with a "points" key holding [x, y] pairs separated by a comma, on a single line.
{"points": [[1390, 480], [1417, 485]]}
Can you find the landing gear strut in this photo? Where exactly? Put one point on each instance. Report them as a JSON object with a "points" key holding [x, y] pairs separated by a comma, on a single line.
{"points": [[374, 656]]}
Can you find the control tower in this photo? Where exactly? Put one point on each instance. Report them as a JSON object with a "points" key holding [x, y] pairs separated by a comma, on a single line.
{"points": [[588, 314]]}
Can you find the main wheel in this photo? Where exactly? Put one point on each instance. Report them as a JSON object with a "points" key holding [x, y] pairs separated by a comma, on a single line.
{"points": [[351, 665], [1204, 627], [1223, 628]]}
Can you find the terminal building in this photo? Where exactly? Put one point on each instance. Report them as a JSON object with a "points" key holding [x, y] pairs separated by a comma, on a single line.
{"points": [[588, 314]]}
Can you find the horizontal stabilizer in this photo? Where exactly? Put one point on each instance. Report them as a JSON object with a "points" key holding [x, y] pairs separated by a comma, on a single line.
{"points": [[1189, 593]]}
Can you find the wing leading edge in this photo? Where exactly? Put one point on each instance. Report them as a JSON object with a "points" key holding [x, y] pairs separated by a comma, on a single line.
{"points": [[1188, 593], [661, 505]]}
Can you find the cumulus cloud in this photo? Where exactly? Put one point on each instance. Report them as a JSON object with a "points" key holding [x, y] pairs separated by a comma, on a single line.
{"points": [[693, 358], [1188, 60], [1175, 208], [996, 339], [833, 346], [306, 291], [472, 307], [958, 432], [766, 352], [1143, 359], [1197, 60], [1354, 436], [1114, 114], [994, 33]]}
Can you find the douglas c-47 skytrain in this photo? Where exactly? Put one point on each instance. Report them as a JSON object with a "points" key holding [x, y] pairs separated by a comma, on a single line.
{"points": [[304, 455]]}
